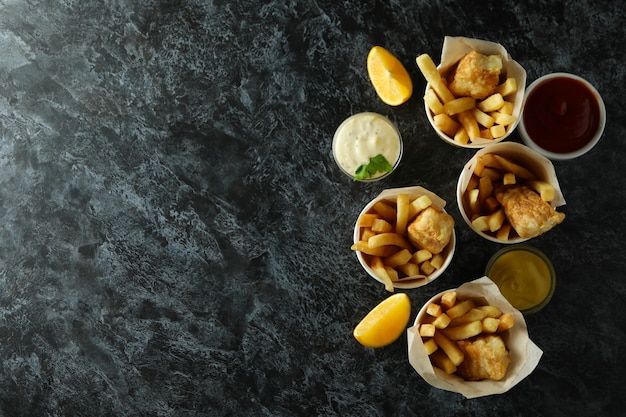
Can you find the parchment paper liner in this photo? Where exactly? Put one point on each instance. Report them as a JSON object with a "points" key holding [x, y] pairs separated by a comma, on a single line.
{"points": [[454, 48], [413, 192], [525, 355], [541, 166]]}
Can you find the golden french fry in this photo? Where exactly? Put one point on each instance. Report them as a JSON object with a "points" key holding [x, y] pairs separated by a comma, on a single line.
{"points": [[446, 124], [382, 226], [489, 160], [366, 233], [460, 308], [402, 213], [492, 173], [496, 220], [437, 261], [418, 205], [383, 251], [483, 118], [399, 258], [492, 103], [464, 331], [507, 108], [385, 211], [393, 274], [513, 167], [503, 118], [443, 362], [421, 256], [506, 322], [379, 269], [455, 354], [409, 269], [490, 311], [508, 87], [472, 315], [434, 309], [427, 330], [474, 203], [427, 267], [459, 105], [430, 346], [433, 103], [470, 124], [545, 189], [504, 232], [490, 324], [509, 178], [485, 189], [442, 321], [366, 219], [480, 223], [491, 204], [497, 131], [431, 74], [448, 299], [461, 136], [486, 134], [389, 239]]}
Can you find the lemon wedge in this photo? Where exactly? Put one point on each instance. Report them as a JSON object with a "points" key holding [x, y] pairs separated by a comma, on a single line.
{"points": [[385, 323], [389, 77]]}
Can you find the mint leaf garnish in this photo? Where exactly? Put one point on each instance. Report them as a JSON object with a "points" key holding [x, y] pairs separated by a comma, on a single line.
{"points": [[376, 164]]}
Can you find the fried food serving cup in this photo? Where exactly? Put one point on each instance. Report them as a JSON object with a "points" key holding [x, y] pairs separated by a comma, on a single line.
{"points": [[525, 355], [413, 280], [529, 159], [454, 48]]}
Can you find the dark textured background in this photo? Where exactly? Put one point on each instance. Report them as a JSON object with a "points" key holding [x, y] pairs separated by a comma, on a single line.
{"points": [[174, 234]]}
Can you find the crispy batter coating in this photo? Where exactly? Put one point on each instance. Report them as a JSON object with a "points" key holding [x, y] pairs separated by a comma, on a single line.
{"points": [[527, 213], [486, 357], [476, 75], [431, 230]]}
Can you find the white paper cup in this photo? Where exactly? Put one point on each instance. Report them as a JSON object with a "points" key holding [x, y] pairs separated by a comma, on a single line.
{"points": [[570, 95], [525, 355], [528, 158], [391, 195], [454, 48]]}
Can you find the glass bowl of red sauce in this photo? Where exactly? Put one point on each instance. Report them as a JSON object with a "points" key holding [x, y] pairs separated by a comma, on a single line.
{"points": [[563, 117]]}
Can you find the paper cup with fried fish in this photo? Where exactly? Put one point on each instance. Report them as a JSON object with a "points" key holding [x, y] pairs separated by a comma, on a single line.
{"points": [[401, 262], [498, 119], [528, 162], [524, 354]]}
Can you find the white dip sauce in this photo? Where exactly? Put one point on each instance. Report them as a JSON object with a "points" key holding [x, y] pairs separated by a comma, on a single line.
{"points": [[363, 136]]}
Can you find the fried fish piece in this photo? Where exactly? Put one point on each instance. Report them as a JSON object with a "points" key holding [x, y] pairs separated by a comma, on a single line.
{"points": [[527, 213], [476, 75], [432, 230], [486, 357]]}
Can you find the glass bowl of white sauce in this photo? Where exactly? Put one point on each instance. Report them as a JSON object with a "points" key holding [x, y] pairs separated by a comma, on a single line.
{"points": [[361, 140]]}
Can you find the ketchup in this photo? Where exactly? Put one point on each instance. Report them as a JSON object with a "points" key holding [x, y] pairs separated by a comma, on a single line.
{"points": [[561, 115]]}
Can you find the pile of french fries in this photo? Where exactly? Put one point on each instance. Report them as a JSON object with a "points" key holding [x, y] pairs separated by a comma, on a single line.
{"points": [[384, 243], [479, 200], [451, 320], [465, 119]]}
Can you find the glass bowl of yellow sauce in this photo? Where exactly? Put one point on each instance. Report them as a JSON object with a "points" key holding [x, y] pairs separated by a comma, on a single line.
{"points": [[525, 276]]}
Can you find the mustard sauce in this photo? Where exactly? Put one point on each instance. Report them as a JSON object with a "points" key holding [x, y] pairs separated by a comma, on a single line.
{"points": [[525, 278]]}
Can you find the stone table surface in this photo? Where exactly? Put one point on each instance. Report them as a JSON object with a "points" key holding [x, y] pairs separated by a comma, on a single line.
{"points": [[175, 235]]}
